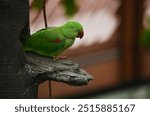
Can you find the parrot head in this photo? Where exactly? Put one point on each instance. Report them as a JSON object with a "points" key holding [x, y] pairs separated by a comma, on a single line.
{"points": [[76, 28]]}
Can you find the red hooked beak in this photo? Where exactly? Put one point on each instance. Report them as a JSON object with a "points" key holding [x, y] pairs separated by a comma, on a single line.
{"points": [[80, 34]]}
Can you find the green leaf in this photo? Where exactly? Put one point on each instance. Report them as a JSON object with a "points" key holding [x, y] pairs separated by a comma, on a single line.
{"points": [[144, 39], [70, 6], [37, 4]]}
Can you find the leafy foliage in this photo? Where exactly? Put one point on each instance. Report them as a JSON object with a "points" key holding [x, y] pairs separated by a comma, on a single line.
{"points": [[37, 4], [145, 37], [70, 6]]}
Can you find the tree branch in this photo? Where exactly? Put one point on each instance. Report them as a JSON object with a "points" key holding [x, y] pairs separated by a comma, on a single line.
{"points": [[41, 69]]}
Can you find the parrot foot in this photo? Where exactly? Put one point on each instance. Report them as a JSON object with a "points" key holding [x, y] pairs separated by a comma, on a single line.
{"points": [[60, 57]]}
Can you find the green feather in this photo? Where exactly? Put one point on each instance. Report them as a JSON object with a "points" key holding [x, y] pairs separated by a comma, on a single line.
{"points": [[53, 41]]}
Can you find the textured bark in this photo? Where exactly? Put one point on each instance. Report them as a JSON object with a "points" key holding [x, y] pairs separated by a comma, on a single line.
{"points": [[13, 26], [20, 77], [41, 69]]}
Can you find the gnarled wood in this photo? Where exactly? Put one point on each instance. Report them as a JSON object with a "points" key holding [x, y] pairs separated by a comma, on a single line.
{"points": [[41, 69]]}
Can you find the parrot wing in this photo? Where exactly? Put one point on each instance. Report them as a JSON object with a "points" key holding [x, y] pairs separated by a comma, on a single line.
{"points": [[46, 42]]}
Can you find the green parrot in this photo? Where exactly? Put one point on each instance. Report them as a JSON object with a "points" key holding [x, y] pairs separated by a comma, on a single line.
{"points": [[52, 41]]}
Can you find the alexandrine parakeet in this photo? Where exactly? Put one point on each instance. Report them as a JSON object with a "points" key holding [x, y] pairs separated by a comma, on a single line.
{"points": [[52, 41]]}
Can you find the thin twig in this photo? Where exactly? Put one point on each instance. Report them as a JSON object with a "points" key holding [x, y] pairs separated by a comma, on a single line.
{"points": [[46, 25], [44, 13]]}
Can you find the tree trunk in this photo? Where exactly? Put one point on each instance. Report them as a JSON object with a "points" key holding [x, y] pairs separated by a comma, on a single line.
{"points": [[13, 26], [18, 77]]}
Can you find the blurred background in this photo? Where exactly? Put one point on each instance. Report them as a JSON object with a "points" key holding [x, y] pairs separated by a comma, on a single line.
{"points": [[115, 49]]}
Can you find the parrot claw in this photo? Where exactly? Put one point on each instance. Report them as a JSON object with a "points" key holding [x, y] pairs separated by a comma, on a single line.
{"points": [[59, 58]]}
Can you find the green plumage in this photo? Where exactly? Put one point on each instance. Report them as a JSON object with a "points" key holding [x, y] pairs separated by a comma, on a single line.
{"points": [[53, 41]]}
